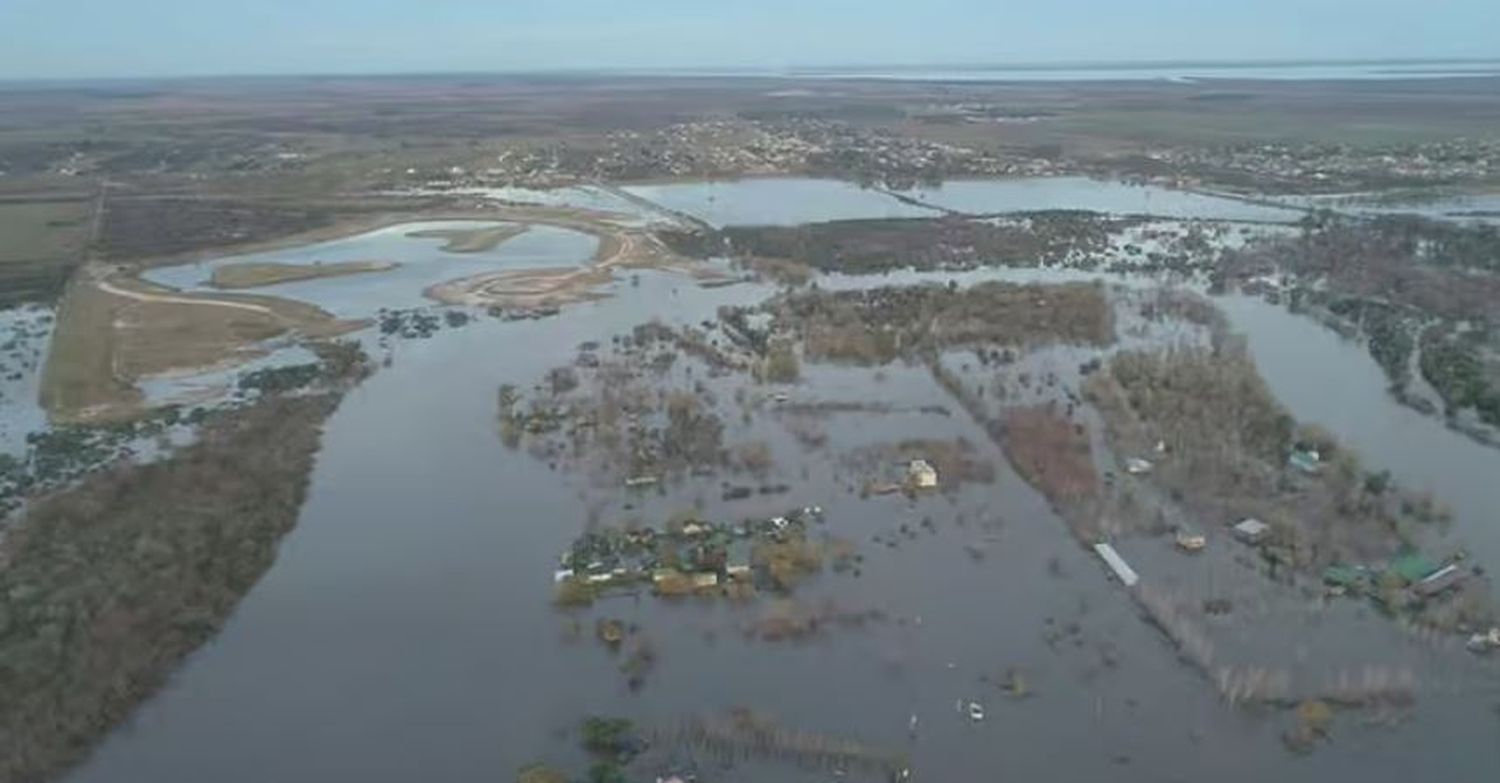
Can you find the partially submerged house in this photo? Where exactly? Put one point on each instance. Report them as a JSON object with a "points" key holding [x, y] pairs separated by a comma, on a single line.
{"points": [[1189, 540], [1251, 531], [920, 474], [1306, 460]]}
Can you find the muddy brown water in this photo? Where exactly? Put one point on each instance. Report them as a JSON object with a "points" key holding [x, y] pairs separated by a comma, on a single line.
{"points": [[406, 630]]}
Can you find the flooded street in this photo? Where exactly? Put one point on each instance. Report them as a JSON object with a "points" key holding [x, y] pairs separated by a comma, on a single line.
{"points": [[407, 628]]}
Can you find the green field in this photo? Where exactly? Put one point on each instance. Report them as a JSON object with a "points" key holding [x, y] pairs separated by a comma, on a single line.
{"points": [[40, 244]]}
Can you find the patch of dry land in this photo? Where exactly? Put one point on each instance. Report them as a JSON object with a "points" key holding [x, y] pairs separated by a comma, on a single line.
{"points": [[256, 275], [113, 330], [473, 240]]}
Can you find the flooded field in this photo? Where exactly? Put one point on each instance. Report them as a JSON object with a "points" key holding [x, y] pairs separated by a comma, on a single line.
{"points": [[777, 201], [408, 626], [783, 201], [988, 197], [28, 333], [1476, 207]]}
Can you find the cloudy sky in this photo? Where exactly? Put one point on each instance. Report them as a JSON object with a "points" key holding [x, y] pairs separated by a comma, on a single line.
{"points": [[89, 38]]}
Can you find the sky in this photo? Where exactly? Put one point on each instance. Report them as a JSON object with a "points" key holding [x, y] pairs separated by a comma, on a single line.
{"points": [[130, 38]]}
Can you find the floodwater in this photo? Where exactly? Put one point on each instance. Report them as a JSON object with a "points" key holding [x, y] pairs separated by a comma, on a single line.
{"points": [[790, 201], [778, 201], [27, 338], [406, 629], [1478, 207], [995, 196], [1324, 378]]}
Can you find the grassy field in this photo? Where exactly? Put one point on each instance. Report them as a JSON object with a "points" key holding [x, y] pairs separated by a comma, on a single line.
{"points": [[79, 380], [112, 331]]}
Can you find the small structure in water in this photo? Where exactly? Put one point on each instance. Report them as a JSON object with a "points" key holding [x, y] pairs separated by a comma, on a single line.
{"points": [[1251, 531], [1485, 642], [1440, 581], [1344, 579], [1190, 540], [1117, 564], [920, 474], [1308, 461]]}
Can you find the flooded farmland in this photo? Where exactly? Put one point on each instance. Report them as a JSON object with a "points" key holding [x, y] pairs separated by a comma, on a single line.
{"points": [[782, 201], [969, 633]]}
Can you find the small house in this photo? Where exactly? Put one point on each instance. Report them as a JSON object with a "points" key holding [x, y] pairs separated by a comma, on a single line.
{"points": [[1252, 531], [1306, 460], [1136, 466], [1190, 540], [704, 580], [921, 474]]}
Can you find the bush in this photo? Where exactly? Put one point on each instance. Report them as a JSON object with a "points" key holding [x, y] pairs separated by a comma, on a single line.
{"points": [[781, 364], [607, 737]]}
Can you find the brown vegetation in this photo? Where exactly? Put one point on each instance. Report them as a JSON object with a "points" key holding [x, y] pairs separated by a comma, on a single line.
{"points": [[140, 228], [883, 324], [1053, 454], [866, 246], [783, 271], [956, 460], [788, 561], [109, 584]]}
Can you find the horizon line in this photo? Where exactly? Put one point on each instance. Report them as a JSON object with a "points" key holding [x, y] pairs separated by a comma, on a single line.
{"points": [[774, 71]]}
